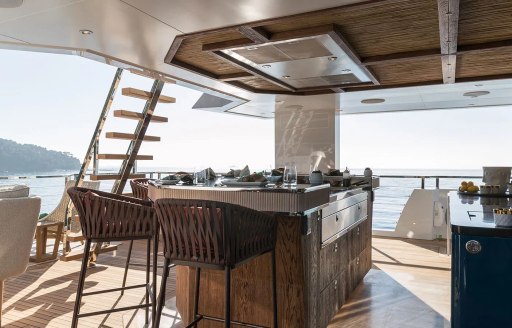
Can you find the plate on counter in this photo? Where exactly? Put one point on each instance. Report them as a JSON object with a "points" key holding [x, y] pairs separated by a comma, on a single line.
{"points": [[234, 183]]}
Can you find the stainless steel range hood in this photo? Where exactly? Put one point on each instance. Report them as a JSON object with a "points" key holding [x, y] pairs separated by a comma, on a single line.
{"points": [[305, 62]]}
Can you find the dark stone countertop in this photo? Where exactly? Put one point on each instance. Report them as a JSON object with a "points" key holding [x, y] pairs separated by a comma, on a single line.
{"points": [[473, 214]]}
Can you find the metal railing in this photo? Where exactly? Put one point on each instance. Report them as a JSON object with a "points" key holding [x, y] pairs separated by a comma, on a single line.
{"points": [[436, 177]]}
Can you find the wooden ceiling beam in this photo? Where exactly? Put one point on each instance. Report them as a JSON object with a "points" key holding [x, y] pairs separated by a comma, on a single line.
{"points": [[193, 68], [434, 53], [228, 44], [257, 34], [448, 11], [235, 76], [401, 57], [487, 46], [302, 33], [337, 37], [343, 86]]}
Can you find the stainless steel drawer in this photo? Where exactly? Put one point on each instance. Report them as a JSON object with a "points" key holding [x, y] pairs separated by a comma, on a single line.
{"points": [[341, 204], [334, 224]]}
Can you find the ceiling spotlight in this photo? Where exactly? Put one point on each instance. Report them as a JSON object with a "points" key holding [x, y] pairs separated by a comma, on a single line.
{"points": [[86, 32], [266, 66], [333, 58], [373, 101], [475, 94], [252, 48], [346, 70], [286, 76]]}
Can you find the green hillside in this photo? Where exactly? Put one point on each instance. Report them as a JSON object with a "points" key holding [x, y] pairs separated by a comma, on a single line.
{"points": [[15, 157]]}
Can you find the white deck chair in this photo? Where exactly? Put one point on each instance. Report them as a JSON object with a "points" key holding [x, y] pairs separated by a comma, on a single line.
{"points": [[18, 220]]}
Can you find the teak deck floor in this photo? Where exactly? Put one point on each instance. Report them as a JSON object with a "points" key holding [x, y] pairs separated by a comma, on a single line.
{"points": [[409, 286]]}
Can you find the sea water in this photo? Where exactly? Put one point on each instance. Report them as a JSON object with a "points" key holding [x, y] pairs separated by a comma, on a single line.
{"points": [[390, 197]]}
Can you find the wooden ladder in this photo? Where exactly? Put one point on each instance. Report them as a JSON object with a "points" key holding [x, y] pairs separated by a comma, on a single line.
{"points": [[136, 138]]}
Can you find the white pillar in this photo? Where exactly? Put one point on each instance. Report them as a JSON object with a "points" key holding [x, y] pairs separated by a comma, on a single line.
{"points": [[307, 132]]}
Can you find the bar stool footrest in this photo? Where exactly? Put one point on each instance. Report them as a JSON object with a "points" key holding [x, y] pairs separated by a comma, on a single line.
{"points": [[201, 316], [115, 289], [126, 308]]}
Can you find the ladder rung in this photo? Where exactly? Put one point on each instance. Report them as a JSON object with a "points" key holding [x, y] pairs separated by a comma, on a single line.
{"points": [[138, 116], [124, 156], [95, 177], [129, 136], [141, 94]]}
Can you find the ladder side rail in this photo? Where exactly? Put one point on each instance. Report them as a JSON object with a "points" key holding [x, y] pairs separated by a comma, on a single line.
{"points": [[140, 132], [99, 127]]}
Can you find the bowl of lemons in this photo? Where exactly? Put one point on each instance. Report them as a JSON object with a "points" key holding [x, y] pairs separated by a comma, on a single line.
{"points": [[468, 187]]}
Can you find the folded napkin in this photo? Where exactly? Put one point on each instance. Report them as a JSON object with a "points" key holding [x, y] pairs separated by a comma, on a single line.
{"points": [[238, 173], [255, 177], [206, 175]]}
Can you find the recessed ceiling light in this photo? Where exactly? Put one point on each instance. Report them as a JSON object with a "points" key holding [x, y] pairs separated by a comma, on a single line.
{"points": [[475, 93], [86, 32], [266, 66], [252, 48], [479, 85], [346, 70], [286, 76], [333, 58], [373, 101]]}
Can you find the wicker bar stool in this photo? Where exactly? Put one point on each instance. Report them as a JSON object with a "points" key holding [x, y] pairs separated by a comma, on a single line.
{"points": [[107, 217], [140, 188], [214, 235], [140, 191]]}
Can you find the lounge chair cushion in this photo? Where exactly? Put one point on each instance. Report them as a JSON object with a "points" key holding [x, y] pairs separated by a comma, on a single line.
{"points": [[14, 191]]}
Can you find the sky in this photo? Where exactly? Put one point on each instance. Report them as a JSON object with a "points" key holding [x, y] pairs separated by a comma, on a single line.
{"points": [[54, 101]]}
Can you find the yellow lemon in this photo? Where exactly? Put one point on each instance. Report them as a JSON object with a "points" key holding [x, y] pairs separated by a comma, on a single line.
{"points": [[472, 189], [463, 183], [463, 188], [470, 184]]}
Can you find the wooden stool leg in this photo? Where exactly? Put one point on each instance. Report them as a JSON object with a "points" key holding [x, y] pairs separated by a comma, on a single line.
{"points": [[58, 237], [41, 235]]}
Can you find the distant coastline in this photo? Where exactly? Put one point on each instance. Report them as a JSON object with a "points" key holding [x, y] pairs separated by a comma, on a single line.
{"points": [[18, 158]]}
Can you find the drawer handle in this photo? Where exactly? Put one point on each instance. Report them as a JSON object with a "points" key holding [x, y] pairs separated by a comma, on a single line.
{"points": [[337, 218], [335, 247], [357, 260], [335, 284], [357, 231]]}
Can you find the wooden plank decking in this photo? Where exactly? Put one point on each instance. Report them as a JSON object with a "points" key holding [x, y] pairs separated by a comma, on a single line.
{"points": [[409, 286]]}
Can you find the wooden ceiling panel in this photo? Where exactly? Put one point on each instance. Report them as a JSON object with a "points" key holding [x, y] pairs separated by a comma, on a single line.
{"points": [[410, 72], [379, 30], [258, 83], [190, 52], [484, 21], [486, 63]]}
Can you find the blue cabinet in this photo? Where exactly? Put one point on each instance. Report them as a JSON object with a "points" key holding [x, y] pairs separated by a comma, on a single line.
{"points": [[481, 281]]}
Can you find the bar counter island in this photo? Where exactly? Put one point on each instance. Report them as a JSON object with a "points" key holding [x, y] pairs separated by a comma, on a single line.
{"points": [[323, 251]]}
